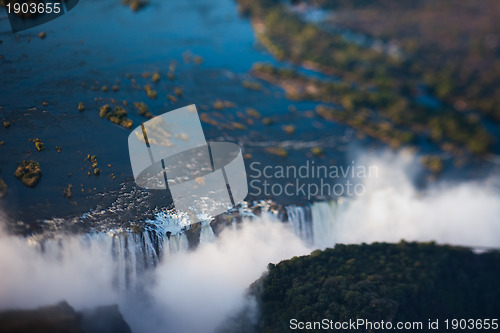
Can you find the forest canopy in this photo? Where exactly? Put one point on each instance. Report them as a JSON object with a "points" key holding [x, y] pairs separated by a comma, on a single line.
{"points": [[390, 282]]}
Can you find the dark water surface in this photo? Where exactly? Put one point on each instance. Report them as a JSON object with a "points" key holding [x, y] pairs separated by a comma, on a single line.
{"points": [[100, 42]]}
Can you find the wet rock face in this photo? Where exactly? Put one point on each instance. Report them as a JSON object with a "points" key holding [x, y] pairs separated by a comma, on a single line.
{"points": [[63, 318], [104, 319], [58, 318], [29, 173]]}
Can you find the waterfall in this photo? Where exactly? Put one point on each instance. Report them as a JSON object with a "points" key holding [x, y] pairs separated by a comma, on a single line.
{"points": [[207, 234], [316, 224], [324, 218], [300, 221], [176, 243], [131, 255], [134, 254]]}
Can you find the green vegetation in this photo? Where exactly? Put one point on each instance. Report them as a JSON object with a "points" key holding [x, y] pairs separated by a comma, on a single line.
{"points": [[29, 173], [198, 60], [220, 104], [67, 193], [289, 129], [39, 145], [385, 82], [253, 113], [156, 77], [390, 282], [81, 107], [381, 114], [3, 188], [317, 151], [383, 131], [267, 121], [206, 118], [172, 98], [238, 126], [278, 151], [252, 85], [93, 159], [135, 5], [143, 110], [178, 91], [118, 115], [61, 318], [443, 44], [433, 163], [153, 94]]}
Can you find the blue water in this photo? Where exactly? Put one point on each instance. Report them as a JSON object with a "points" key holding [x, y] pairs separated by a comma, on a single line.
{"points": [[99, 42]]}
